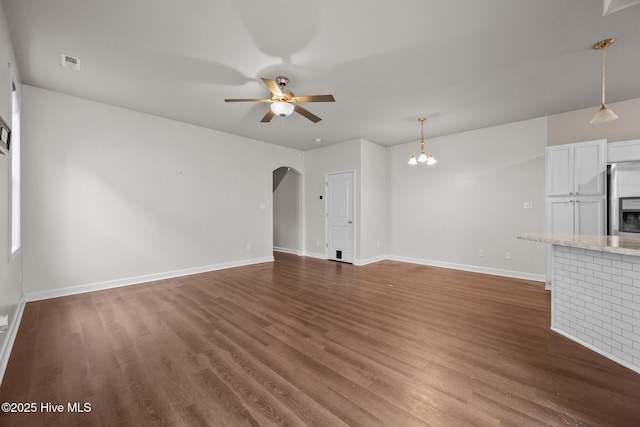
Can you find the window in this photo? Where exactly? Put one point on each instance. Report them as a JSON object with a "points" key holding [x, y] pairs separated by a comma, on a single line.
{"points": [[14, 197]]}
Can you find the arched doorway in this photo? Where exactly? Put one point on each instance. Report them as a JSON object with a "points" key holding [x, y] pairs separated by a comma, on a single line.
{"points": [[286, 210]]}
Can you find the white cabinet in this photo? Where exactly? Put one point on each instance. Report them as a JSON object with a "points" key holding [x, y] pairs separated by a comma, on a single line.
{"points": [[576, 169], [576, 190], [585, 215], [623, 151]]}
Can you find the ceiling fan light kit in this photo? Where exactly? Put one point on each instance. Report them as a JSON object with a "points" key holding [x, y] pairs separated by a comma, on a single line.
{"points": [[284, 102], [282, 108], [603, 115], [423, 156]]}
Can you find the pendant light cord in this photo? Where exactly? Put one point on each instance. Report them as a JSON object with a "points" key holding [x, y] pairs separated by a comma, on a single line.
{"points": [[604, 54]]}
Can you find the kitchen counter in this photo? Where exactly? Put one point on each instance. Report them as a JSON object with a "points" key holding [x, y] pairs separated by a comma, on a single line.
{"points": [[611, 244], [595, 293]]}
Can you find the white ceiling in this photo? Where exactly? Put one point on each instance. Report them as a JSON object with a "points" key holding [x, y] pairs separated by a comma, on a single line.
{"points": [[464, 64]]}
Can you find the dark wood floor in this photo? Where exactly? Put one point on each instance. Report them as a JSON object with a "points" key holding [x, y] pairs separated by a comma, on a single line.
{"points": [[309, 342]]}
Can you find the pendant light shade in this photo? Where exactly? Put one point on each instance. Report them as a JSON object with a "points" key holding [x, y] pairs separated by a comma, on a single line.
{"points": [[603, 115], [423, 157], [282, 108]]}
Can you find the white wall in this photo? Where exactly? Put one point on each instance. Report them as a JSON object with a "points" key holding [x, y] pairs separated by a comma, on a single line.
{"points": [[574, 126], [286, 213], [319, 162], [111, 194], [471, 199], [372, 235], [10, 271]]}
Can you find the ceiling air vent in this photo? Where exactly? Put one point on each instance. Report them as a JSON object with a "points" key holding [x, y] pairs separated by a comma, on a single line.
{"points": [[70, 62]]}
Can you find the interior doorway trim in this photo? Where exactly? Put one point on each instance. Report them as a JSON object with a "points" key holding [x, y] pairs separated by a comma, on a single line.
{"points": [[291, 200]]}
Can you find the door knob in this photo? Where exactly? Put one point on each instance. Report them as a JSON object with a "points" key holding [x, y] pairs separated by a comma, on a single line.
{"points": [[349, 222]]}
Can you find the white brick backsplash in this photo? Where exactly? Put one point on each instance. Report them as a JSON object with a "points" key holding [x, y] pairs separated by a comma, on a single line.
{"points": [[622, 295], [632, 320], [612, 285], [601, 261], [579, 264], [585, 258], [613, 271], [613, 257], [613, 300], [612, 343], [622, 280], [632, 305], [630, 258], [602, 275], [622, 265], [631, 274], [596, 300], [614, 315], [631, 289], [622, 340]]}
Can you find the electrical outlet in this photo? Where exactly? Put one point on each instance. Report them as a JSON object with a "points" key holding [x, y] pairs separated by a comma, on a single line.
{"points": [[481, 252], [248, 246], [507, 255], [528, 205]]}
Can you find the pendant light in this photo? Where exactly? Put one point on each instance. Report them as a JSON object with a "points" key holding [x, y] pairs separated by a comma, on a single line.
{"points": [[604, 114], [423, 157]]}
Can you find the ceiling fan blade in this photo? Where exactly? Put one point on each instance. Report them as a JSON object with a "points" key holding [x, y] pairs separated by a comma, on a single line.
{"points": [[308, 114], [273, 87], [246, 100], [314, 98], [267, 117]]}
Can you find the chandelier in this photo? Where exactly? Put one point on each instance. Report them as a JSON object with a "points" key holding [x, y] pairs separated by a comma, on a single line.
{"points": [[423, 157]]}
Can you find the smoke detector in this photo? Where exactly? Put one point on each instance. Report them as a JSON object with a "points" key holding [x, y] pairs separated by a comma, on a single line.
{"points": [[69, 61]]}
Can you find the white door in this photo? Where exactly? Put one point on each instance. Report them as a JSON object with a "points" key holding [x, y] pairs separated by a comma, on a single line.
{"points": [[590, 167], [560, 216], [559, 170], [590, 214], [340, 216]]}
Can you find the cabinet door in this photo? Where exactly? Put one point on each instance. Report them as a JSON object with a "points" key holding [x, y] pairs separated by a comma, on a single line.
{"points": [[559, 170], [590, 216], [589, 168], [624, 151], [560, 216]]}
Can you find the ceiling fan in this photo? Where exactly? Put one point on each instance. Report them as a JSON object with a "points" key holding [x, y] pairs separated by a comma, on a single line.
{"points": [[284, 102]]}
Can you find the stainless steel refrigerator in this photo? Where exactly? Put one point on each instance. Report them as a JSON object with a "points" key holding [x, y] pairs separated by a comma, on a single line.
{"points": [[623, 209]]}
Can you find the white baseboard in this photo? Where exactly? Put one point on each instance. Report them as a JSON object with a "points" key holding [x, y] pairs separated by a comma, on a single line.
{"points": [[598, 350], [11, 336], [91, 287], [472, 268], [314, 255], [371, 260], [287, 250]]}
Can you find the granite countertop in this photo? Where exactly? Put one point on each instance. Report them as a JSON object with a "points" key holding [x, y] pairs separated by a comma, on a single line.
{"points": [[612, 244]]}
